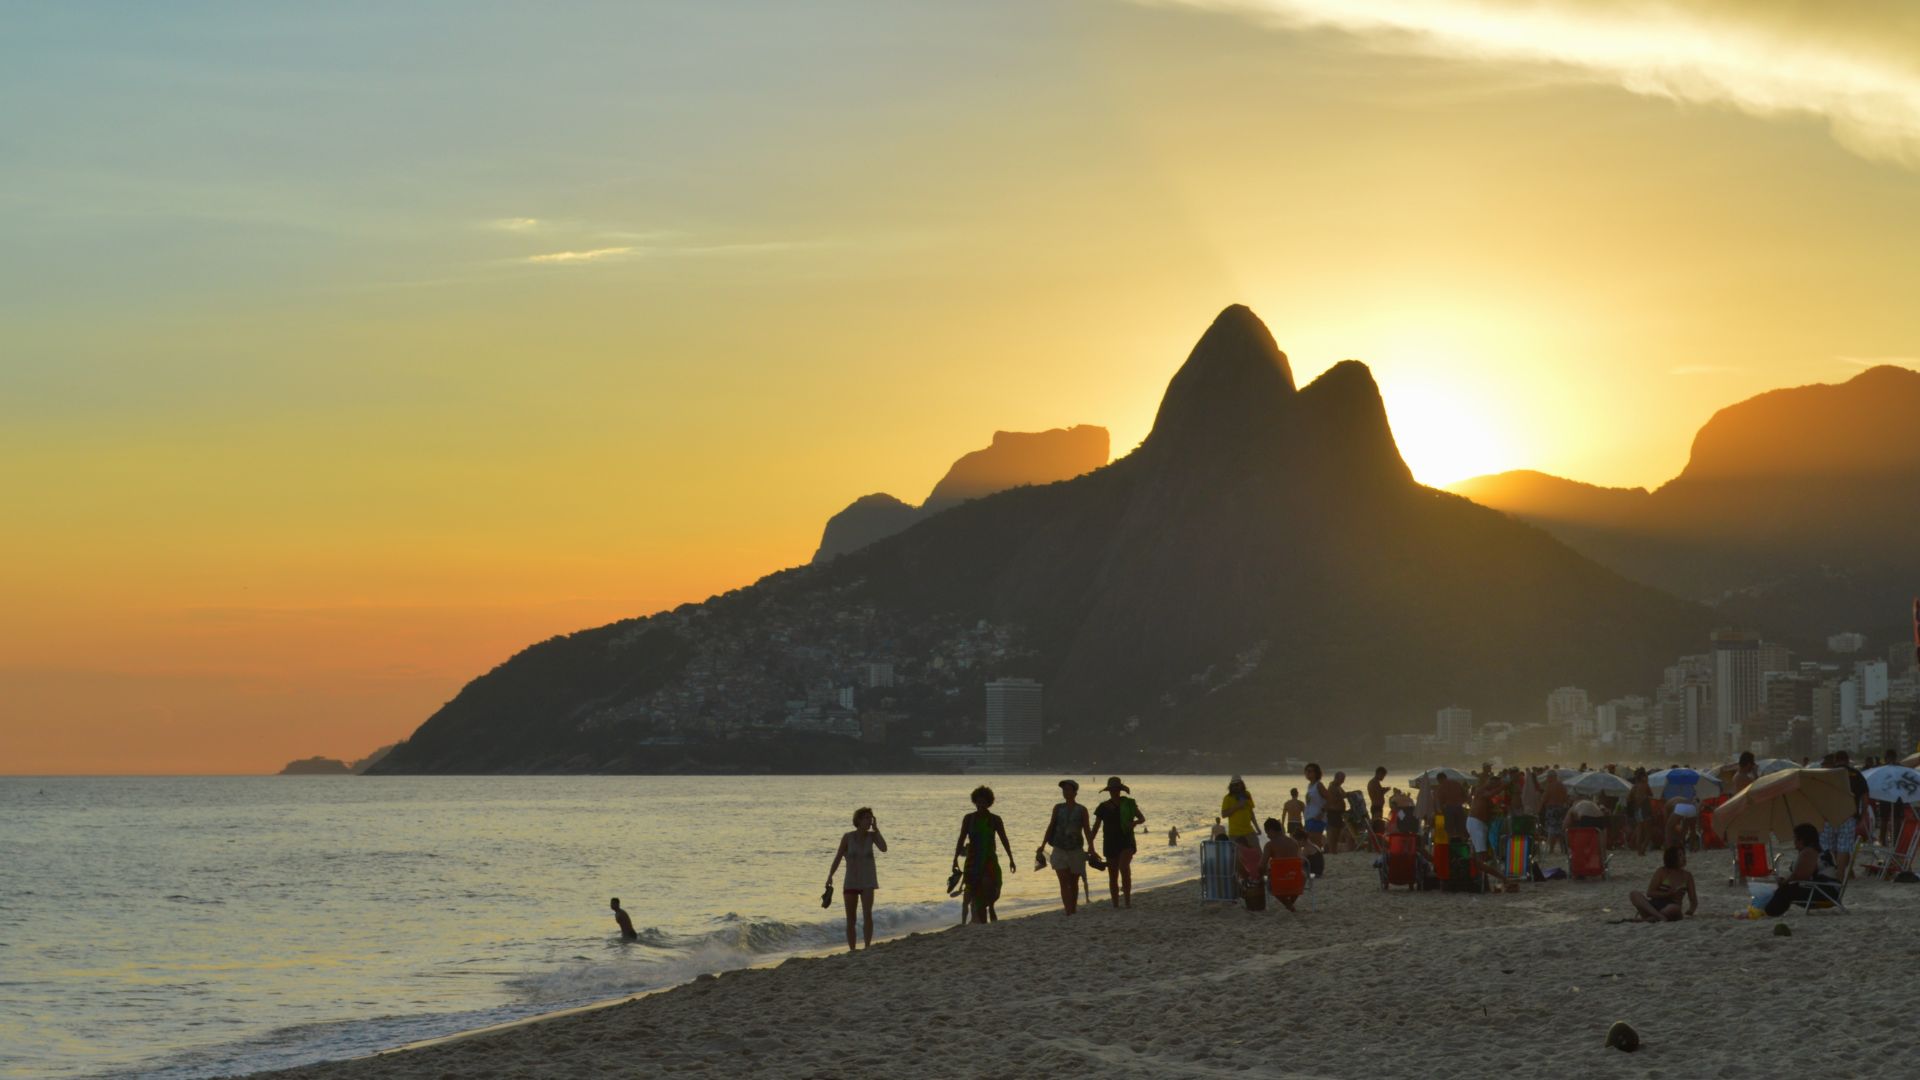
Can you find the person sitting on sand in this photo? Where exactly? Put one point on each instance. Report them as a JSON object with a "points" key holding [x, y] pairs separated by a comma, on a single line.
{"points": [[626, 924], [1553, 811], [1280, 846], [1071, 837], [977, 833], [1114, 822], [857, 848], [1670, 884]]}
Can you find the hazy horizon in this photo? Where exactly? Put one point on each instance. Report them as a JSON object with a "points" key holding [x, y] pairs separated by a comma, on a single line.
{"points": [[354, 350]]}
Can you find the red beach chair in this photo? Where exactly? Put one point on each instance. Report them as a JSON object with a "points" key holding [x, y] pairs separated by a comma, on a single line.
{"points": [[1402, 853], [1751, 859], [1586, 855], [1287, 879]]}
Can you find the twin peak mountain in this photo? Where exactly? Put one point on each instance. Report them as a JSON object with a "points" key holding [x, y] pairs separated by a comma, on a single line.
{"points": [[1262, 569]]}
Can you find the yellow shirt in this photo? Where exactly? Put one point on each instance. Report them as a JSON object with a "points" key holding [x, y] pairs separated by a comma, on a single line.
{"points": [[1239, 816]]}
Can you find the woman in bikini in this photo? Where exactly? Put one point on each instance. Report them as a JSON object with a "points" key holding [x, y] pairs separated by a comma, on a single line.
{"points": [[1671, 885]]}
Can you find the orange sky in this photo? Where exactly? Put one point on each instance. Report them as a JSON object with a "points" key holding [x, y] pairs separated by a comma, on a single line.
{"points": [[349, 353]]}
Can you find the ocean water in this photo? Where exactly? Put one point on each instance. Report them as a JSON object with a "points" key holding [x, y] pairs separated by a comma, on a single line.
{"points": [[193, 927]]}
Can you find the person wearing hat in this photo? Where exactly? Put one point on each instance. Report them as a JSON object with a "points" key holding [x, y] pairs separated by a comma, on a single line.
{"points": [[1118, 816], [1071, 837]]}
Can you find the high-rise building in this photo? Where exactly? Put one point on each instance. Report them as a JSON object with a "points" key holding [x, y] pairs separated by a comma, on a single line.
{"points": [[1013, 717], [877, 675], [1570, 712], [1873, 681], [1788, 696], [1736, 688], [1453, 726]]}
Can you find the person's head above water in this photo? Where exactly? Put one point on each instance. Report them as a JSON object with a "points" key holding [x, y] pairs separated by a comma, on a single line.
{"points": [[982, 796]]}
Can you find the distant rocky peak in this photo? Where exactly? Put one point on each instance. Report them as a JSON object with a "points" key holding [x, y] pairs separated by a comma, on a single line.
{"points": [[1235, 385], [1021, 457], [1352, 437]]}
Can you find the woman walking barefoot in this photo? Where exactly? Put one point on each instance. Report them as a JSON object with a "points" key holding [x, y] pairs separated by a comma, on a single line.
{"points": [[1071, 835], [977, 833], [857, 849]]}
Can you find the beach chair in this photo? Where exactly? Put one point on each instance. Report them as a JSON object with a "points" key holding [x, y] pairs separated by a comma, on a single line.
{"points": [[1821, 896], [1219, 871], [1586, 854], [1288, 879], [1402, 862], [1751, 859], [1519, 865], [1884, 862], [1456, 870]]}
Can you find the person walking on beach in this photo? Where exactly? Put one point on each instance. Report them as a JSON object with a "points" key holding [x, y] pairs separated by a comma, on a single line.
{"points": [[977, 833], [1237, 807], [1117, 817], [1071, 836], [857, 848], [1640, 811], [626, 924]]}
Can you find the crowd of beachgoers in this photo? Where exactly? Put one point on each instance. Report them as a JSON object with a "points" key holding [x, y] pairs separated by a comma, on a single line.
{"points": [[1460, 831]]}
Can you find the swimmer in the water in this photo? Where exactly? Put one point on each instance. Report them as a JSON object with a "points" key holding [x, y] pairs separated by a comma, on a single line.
{"points": [[626, 924]]}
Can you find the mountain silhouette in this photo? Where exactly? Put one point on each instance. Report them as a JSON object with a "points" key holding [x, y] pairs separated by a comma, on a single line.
{"points": [[1013, 459], [1262, 573], [1797, 509]]}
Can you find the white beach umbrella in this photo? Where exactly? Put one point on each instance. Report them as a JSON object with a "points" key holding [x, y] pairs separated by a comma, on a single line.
{"points": [[1565, 774], [1775, 764], [1894, 783], [1434, 775], [1599, 783]]}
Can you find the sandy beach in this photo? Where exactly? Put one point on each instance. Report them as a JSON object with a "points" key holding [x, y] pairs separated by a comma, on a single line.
{"points": [[1364, 983]]}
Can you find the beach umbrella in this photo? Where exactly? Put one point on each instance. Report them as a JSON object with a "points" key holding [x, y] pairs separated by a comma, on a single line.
{"points": [[1777, 802], [1599, 783], [1433, 776], [1912, 761], [1565, 774], [1768, 766], [1893, 783], [1702, 784]]}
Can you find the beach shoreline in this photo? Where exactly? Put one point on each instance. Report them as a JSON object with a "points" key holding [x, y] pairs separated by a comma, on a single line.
{"points": [[1360, 981]]}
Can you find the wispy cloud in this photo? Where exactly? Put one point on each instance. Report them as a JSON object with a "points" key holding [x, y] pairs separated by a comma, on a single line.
{"points": [[1705, 369], [515, 224], [1878, 361], [591, 255], [1855, 65]]}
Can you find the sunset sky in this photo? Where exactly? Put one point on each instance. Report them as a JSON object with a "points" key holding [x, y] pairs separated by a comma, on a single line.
{"points": [[350, 348]]}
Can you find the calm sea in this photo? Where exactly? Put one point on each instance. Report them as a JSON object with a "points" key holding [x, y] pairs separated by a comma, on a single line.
{"points": [[189, 927]]}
